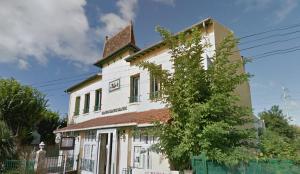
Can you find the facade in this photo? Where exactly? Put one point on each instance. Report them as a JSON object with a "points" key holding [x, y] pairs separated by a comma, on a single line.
{"points": [[109, 111]]}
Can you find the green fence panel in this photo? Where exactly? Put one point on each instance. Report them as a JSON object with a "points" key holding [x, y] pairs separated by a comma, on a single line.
{"points": [[18, 167], [202, 166]]}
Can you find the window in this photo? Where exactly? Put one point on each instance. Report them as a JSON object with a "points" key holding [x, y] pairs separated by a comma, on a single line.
{"points": [[87, 161], [90, 135], [154, 87], [86, 103], [134, 88], [98, 100], [77, 106], [209, 61]]}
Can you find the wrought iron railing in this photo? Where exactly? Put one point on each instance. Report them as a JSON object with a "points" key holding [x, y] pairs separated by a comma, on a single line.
{"points": [[155, 95], [133, 99]]}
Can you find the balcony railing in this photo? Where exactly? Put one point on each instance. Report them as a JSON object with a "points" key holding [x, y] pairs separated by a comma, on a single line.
{"points": [[133, 99], [155, 95], [76, 112], [97, 108], [86, 110]]}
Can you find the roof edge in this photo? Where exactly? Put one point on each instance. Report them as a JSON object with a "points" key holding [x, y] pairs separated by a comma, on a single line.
{"points": [[106, 59], [160, 43], [78, 85]]}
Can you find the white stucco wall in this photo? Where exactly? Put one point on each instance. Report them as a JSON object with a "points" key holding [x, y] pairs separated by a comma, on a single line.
{"points": [[120, 69]]}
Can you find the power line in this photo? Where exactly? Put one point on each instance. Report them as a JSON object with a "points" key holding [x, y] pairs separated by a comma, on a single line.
{"points": [[270, 36], [257, 57], [278, 50], [57, 83], [271, 30], [268, 43], [63, 78], [48, 83], [285, 52]]}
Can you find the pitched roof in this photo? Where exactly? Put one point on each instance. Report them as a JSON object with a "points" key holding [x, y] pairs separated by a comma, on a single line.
{"points": [[119, 42], [131, 118], [124, 37], [161, 43]]}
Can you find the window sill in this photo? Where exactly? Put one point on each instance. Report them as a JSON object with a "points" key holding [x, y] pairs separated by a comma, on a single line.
{"points": [[83, 114], [134, 103], [154, 100], [98, 111]]}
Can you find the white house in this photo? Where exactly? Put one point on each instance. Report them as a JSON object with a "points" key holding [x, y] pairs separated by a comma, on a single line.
{"points": [[107, 108]]}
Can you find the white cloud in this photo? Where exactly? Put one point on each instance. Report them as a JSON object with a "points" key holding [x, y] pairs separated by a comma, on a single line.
{"points": [[287, 7], [280, 8], [22, 64], [113, 22], [253, 4], [35, 29], [167, 2]]}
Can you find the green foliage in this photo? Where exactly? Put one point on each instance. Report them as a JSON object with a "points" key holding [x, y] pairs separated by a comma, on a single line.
{"points": [[275, 146], [49, 122], [277, 122], [205, 116], [21, 107], [280, 139], [6, 142]]}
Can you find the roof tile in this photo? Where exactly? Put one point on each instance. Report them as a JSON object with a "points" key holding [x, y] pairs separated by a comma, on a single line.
{"points": [[144, 117], [118, 41]]}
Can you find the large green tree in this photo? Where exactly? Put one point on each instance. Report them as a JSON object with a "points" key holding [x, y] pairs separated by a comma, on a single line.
{"points": [[6, 142], [21, 107], [205, 116], [49, 122]]}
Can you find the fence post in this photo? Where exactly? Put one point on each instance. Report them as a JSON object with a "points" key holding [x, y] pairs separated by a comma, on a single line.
{"points": [[40, 160], [204, 162]]}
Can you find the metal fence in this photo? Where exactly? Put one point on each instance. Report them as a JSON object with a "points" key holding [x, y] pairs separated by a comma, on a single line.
{"points": [[17, 167], [56, 164], [127, 170], [202, 166]]}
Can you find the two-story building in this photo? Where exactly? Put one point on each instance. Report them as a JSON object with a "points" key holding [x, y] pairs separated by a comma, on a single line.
{"points": [[107, 108]]}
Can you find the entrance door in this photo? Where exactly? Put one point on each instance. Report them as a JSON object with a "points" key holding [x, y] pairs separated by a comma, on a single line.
{"points": [[107, 151]]}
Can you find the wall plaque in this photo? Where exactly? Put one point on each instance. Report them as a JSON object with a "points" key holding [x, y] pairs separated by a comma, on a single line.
{"points": [[124, 108], [114, 85]]}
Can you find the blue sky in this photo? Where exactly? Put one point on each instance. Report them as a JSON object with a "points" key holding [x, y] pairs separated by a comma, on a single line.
{"points": [[46, 40]]}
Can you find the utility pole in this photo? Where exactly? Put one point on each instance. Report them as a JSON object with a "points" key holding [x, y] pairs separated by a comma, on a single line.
{"points": [[285, 98]]}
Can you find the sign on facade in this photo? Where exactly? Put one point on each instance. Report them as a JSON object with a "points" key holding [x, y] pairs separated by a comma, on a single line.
{"points": [[67, 143], [114, 85], [124, 108]]}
